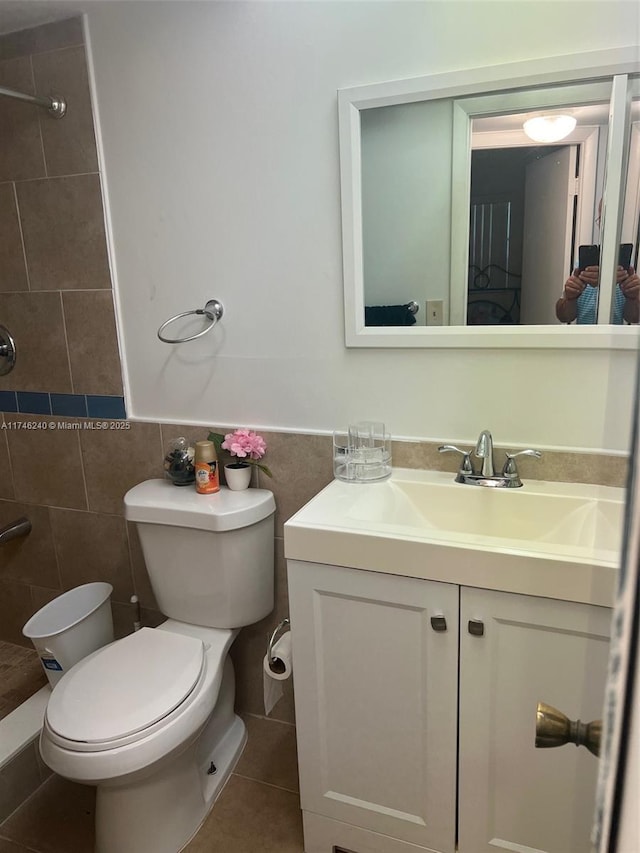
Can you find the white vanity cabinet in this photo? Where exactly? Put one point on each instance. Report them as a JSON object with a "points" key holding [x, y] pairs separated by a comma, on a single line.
{"points": [[379, 709], [376, 708]]}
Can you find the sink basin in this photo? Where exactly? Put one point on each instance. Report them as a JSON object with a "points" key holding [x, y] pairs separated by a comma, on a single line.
{"points": [[424, 524], [431, 504], [583, 521]]}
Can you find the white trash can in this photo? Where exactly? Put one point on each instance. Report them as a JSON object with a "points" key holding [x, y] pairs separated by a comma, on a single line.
{"points": [[70, 627]]}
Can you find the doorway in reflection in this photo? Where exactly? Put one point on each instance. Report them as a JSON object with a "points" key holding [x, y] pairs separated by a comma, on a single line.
{"points": [[499, 178]]}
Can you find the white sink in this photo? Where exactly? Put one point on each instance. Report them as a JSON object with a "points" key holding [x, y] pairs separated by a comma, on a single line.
{"points": [[468, 534], [534, 516]]}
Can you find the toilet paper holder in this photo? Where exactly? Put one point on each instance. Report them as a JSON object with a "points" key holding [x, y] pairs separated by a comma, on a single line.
{"points": [[275, 664]]}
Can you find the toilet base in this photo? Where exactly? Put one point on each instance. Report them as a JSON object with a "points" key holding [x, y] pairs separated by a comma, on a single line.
{"points": [[161, 813]]}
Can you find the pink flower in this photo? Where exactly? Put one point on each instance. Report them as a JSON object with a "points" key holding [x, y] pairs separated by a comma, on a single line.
{"points": [[244, 443]]}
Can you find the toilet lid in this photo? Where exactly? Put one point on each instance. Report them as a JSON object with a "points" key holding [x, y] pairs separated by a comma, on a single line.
{"points": [[125, 687]]}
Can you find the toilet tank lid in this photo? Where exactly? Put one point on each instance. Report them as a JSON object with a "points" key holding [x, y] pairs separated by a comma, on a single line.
{"points": [[160, 502]]}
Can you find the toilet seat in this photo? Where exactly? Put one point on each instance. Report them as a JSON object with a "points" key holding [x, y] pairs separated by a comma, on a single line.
{"points": [[126, 691]]}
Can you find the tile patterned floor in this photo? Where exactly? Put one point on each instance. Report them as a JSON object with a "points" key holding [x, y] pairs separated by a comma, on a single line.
{"points": [[21, 675], [257, 812]]}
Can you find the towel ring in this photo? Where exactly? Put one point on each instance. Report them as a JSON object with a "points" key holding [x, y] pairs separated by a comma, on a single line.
{"points": [[213, 311]]}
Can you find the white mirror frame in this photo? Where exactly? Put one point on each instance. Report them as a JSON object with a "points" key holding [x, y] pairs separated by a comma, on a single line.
{"points": [[575, 68]]}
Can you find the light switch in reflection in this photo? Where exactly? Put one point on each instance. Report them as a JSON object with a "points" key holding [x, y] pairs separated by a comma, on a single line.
{"points": [[435, 309]]}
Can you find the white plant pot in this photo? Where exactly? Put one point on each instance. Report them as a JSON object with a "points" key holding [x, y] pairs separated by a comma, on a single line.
{"points": [[238, 477]]}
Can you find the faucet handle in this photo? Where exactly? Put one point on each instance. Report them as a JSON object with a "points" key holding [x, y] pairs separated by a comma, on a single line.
{"points": [[466, 466], [510, 469]]}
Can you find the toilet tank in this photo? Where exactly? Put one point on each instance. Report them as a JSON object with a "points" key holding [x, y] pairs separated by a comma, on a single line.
{"points": [[209, 557]]}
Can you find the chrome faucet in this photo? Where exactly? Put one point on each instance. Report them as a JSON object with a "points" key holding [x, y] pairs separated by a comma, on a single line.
{"points": [[507, 479], [484, 451]]}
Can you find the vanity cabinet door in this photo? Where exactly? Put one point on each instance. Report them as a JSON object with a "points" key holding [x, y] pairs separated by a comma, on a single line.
{"points": [[512, 795], [376, 697]]}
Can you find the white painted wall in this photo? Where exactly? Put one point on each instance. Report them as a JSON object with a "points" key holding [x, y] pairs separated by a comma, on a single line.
{"points": [[406, 203], [220, 142]]}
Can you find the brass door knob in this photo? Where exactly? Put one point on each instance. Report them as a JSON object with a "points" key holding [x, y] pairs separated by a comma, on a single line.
{"points": [[553, 728]]}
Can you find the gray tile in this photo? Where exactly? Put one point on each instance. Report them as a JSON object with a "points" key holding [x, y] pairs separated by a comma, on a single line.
{"points": [[42, 595], [422, 454], [250, 647], [45, 772], [36, 323], [69, 143], [116, 460], [59, 482], [151, 618], [301, 466], [21, 153], [191, 432], [91, 547], [18, 780], [602, 469], [15, 609], [44, 37], [30, 559], [63, 230], [13, 272], [58, 818], [12, 847], [270, 754], [22, 676], [93, 342], [6, 477], [123, 618], [605, 470], [250, 817]]}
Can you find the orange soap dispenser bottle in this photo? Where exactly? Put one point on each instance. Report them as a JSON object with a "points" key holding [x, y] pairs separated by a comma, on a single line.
{"points": [[206, 468]]}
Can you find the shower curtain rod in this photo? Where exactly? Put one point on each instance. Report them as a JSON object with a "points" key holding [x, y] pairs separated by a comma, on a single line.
{"points": [[56, 106]]}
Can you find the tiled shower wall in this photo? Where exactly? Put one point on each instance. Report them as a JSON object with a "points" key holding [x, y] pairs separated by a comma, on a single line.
{"points": [[66, 475], [55, 285]]}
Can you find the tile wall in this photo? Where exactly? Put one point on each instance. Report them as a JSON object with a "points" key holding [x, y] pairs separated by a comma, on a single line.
{"points": [[60, 468], [55, 284]]}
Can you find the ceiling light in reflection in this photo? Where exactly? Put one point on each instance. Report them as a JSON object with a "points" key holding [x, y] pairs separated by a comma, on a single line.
{"points": [[549, 128]]}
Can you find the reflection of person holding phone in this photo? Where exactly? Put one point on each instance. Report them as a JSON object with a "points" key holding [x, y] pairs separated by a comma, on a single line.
{"points": [[580, 295]]}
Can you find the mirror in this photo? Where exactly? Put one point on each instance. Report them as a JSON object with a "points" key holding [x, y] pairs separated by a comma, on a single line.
{"points": [[440, 238]]}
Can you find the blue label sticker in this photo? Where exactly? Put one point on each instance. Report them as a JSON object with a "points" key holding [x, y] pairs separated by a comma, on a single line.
{"points": [[51, 663]]}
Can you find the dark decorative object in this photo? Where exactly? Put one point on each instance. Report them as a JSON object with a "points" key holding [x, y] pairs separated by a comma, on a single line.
{"points": [[178, 463]]}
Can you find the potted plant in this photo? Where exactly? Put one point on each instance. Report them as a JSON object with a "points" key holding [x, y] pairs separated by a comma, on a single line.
{"points": [[247, 447]]}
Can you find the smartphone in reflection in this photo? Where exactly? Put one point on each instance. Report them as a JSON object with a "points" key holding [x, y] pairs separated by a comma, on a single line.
{"points": [[589, 256], [624, 255]]}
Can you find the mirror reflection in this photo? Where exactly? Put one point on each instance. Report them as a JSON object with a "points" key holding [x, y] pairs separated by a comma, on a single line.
{"points": [[579, 300], [532, 207]]}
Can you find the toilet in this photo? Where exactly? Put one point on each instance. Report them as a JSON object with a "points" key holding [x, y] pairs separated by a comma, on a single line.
{"points": [[149, 719]]}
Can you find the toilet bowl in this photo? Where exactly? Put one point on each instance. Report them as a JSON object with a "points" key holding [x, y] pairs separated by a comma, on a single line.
{"points": [[149, 719]]}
